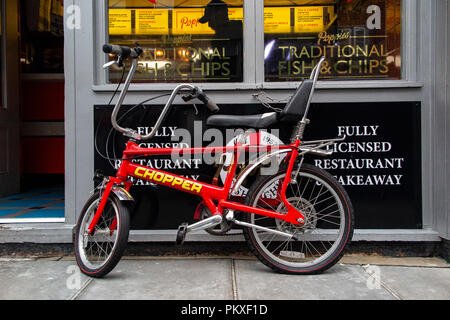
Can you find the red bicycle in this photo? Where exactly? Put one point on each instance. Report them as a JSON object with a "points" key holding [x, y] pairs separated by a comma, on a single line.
{"points": [[298, 219]]}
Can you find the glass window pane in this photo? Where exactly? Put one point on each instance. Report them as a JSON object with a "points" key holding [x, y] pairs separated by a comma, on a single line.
{"points": [[183, 40], [41, 36], [360, 38]]}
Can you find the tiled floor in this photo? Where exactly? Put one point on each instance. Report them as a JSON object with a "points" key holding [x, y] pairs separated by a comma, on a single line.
{"points": [[35, 204]]}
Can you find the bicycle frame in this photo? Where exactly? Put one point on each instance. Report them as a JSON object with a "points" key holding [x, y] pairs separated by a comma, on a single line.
{"points": [[215, 198]]}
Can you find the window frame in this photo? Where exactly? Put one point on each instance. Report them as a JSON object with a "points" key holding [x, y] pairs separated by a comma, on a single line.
{"points": [[253, 44]]}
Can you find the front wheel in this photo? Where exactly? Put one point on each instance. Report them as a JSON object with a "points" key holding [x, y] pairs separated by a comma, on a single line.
{"points": [[327, 230], [99, 252]]}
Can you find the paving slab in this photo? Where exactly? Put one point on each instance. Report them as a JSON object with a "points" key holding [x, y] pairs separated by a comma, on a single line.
{"points": [[55, 278], [416, 283], [363, 259], [257, 282], [23, 279], [164, 279]]}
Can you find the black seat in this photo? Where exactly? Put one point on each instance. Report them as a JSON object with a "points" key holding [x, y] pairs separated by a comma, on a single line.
{"points": [[291, 114], [296, 107], [257, 121]]}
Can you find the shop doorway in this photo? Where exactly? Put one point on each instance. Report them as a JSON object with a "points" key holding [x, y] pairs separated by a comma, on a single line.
{"points": [[33, 79], [9, 100]]}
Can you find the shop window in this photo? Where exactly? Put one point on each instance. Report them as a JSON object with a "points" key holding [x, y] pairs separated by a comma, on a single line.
{"points": [[190, 40], [360, 38], [42, 36]]}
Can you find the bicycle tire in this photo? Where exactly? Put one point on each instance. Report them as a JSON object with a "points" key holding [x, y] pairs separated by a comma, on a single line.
{"points": [[291, 258], [85, 245]]}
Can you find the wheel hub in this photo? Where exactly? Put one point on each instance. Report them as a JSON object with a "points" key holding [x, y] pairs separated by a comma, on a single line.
{"points": [[306, 208]]}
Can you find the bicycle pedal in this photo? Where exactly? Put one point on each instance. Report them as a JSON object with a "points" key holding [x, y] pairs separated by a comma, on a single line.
{"points": [[181, 234]]}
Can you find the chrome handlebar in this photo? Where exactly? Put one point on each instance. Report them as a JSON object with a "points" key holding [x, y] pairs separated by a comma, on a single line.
{"points": [[132, 133], [194, 92]]}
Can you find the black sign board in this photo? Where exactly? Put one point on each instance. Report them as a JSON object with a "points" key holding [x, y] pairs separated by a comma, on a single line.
{"points": [[379, 163]]}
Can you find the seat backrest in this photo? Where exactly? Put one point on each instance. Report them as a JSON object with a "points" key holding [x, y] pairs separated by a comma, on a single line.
{"points": [[296, 107]]}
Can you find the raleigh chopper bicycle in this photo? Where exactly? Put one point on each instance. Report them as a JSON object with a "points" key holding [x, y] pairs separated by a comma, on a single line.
{"points": [[297, 219]]}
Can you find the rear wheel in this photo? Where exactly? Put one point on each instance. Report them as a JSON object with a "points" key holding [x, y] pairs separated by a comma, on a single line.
{"points": [[328, 228], [98, 253]]}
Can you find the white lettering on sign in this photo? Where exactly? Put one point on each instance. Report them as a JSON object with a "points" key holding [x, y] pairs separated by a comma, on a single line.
{"points": [[378, 171], [372, 180], [162, 132], [358, 131]]}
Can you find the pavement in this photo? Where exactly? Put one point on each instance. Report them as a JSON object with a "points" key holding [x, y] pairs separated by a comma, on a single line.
{"points": [[355, 277]]}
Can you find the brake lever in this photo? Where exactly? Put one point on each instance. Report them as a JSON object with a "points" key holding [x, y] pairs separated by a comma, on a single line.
{"points": [[120, 61], [195, 108], [188, 98], [108, 64]]}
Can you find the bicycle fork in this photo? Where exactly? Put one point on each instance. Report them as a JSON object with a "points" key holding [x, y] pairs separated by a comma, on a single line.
{"points": [[101, 206], [110, 185]]}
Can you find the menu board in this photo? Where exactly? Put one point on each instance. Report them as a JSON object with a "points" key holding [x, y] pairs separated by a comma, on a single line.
{"points": [[152, 21], [185, 21], [120, 21], [277, 20], [312, 19], [236, 13]]}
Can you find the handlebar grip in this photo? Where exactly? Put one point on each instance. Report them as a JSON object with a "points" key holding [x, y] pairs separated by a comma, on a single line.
{"points": [[124, 52], [118, 50], [211, 105]]}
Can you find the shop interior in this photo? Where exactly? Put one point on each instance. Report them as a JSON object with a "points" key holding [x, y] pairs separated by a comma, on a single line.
{"points": [[39, 194]]}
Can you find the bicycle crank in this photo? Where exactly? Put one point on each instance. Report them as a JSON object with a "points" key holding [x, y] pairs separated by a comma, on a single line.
{"points": [[230, 217], [207, 223], [221, 229]]}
